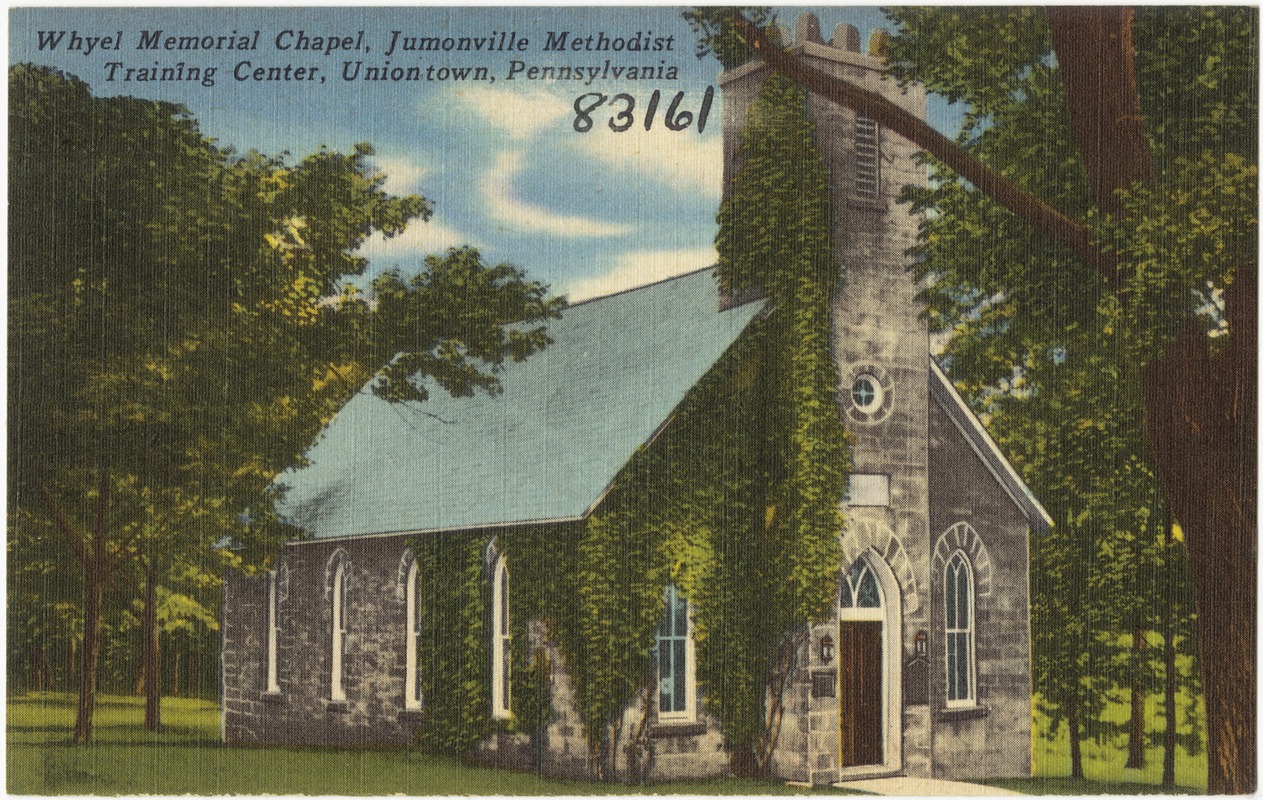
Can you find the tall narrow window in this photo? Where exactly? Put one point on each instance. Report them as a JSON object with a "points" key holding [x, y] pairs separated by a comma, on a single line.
{"points": [[959, 597], [412, 634], [501, 642], [867, 159], [274, 629], [338, 635], [675, 660]]}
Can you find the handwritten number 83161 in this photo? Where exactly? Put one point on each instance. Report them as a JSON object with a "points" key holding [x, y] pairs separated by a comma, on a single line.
{"points": [[622, 110]]}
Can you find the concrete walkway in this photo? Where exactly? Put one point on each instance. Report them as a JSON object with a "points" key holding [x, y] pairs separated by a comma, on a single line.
{"points": [[923, 787]]}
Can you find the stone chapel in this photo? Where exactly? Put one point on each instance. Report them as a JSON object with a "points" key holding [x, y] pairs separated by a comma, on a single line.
{"points": [[923, 668]]}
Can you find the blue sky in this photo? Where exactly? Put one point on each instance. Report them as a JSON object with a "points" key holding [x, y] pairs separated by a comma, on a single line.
{"points": [[587, 213]]}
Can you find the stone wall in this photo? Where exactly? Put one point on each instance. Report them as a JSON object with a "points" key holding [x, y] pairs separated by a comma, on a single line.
{"points": [[303, 712], [993, 740]]}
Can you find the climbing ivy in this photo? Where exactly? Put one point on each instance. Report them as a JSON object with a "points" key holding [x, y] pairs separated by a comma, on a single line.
{"points": [[775, 236], [736, 502], [455, 652], [456, 597]]}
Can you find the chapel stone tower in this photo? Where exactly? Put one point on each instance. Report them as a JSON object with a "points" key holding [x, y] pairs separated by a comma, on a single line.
{"points": [[882, 349]]}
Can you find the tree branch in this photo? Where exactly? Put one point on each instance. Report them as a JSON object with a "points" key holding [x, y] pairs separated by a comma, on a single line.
{"points": [[63, 524], [102, 506], [1097, 64], [1070, 233]]}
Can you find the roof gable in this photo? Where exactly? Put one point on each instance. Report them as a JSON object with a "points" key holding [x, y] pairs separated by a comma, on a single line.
{"points": [[545, 449]]}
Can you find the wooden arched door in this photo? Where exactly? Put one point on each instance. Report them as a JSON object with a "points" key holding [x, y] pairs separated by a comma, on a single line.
{"points": [[861, 660]]}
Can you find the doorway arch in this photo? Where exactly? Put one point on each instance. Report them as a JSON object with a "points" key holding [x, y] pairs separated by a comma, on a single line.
{"points": [[870, 667]]}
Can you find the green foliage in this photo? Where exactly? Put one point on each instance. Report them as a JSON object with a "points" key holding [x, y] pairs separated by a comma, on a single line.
{"points": [[1184, 239], [774, 236], [455, 647], [182, 326], [1187, 231], [716, 37], [978, 55], [1039, 340], [469, 342]]}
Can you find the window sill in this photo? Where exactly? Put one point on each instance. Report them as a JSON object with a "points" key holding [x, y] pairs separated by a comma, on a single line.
{"points": [[272, 697], [336, 706], [963, 713], [669, 729]]}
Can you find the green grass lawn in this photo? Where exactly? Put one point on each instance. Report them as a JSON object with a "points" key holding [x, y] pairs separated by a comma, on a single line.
{"points": [[1103, 763], [186, 758]]}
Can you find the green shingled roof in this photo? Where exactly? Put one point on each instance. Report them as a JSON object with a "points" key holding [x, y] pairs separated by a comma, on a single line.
{"points": [[546, 448]]}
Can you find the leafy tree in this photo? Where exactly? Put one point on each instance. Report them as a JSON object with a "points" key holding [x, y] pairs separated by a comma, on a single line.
{"points": [[1071, 424], [180, 332], [1155, 110]]}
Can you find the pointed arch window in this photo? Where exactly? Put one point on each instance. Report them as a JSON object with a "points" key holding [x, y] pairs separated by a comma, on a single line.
{"points": [[274, 630], [676, 695], [337, 638], [501, 642], [861, 590], [958, 595], [412, 637]]}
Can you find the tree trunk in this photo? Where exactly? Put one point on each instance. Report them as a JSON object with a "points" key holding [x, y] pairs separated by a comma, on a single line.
{"points": [[175, 675], [94, 583], [1076, 743], [70, 662], [150, 663], [1096, 60], [1136, 728], [38, 658], [1168, 702], [1200, 411], [191, 671]]}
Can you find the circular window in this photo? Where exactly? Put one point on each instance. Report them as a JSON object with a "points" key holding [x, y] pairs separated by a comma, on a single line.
{"points": [[871, 392], [867, 393]]}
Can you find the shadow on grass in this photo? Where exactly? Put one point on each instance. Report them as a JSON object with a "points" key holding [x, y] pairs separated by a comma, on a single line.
{"points": [[1079, 786]]}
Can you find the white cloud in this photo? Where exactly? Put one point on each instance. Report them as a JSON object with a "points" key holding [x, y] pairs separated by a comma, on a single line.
{"points": [[403, 176], [507, 210], [522, 114], [679, 159], [640, 267], [418, 240]]}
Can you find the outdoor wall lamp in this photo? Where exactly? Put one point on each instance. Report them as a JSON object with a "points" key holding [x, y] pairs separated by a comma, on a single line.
{"points": [[826, 649], [922, 643]]}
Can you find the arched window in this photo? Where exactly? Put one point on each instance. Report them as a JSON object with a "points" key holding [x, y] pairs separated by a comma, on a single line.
{"points": [[501, 641], [337, 637], [958, 596], [412, 634], [274, 628], [861, 590], [676, 696]]}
